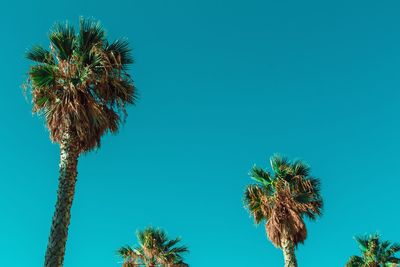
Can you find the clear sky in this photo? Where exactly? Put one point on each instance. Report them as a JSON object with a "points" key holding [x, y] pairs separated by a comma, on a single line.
{"points": [[223, 85]]}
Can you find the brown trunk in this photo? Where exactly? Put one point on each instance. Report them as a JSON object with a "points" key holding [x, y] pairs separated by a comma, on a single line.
{"points": [[69, 154], [288, 253]]}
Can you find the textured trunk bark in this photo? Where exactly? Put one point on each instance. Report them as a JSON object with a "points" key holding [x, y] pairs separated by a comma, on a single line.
{"points": [[288, 253], [69, 154]]}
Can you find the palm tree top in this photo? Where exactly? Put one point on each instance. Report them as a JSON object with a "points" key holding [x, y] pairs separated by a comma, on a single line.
{"points": [[375, 252], [81, 84], [283, 197], [282, 169], [155, 248]]}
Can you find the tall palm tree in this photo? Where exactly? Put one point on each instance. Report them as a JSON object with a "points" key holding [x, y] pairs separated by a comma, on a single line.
{"points": [[375, 253], [283, 199], [82, 87], [155, 249]]}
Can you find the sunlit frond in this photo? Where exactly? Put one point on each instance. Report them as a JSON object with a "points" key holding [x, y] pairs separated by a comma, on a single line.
{"points": [[260, 175]]}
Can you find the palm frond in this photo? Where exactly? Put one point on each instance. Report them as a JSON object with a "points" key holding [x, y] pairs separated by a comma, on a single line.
{"points": [[120, 52], [125, 251], [362, 242], [279, 164], [390, 253], [62, 38], [43, 76], [253, 202], [300, 168], [170, 243], [91, 34], [260, 175], [117, 91], [355, 261], [39, 54], [180, 250]]}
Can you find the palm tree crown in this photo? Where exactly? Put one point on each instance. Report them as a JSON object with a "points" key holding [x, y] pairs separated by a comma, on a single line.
{"points": [[81, 84], [282, 199], [155, 249], [375, 253]]}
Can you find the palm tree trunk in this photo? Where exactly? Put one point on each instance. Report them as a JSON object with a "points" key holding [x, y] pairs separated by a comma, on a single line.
{"points": [[69, 154], [288, 253]]}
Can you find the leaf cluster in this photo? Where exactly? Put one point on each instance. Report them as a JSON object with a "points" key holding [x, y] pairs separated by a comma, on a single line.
{"points": [[282, 198], [81, 84], [375, 253], [154, 249]]}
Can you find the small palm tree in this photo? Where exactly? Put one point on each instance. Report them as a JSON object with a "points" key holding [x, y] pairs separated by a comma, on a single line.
{"points": [[282, 199], [155, 249], [375, 253], [82, 87]]}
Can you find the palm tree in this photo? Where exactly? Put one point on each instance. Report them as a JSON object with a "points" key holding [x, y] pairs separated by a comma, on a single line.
{"points": [[155, 249], [283, 199], [82, 87], [375, 253]]}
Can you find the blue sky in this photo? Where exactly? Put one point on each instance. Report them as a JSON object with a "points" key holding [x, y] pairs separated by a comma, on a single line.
{"points": [[223, 85]]}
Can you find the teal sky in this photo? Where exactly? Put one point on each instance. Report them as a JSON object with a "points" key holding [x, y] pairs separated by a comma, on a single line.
{"points": [[223, 85]]}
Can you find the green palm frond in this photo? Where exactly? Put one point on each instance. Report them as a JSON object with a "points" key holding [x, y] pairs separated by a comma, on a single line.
{"points": [[300, 168], [260, 175], [355, 261], [151, 236], [125, 251], [362, 242], [279, 164], [179, 250], [393, 249], [62, 38], [39, 54], [315, 184], [43, 76], [120, 52], [91, 34], [170, 243]]}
